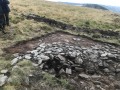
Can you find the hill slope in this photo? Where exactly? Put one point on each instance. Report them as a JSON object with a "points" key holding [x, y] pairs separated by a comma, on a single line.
{"points": [[70, 14], [103, 7], [95, 6], [115, 9], [95, 22]]}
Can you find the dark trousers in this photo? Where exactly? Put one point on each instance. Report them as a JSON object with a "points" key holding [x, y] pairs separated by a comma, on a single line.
{"points": [[6, 19]]}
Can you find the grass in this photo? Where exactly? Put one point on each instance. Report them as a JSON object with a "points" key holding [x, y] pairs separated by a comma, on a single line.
{"points": [[19, 74], [50, 82], [23, 29], [69, 14], [4, 64]]}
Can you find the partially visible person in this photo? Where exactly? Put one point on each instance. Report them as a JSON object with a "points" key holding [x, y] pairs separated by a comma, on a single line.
{"points": [[6, 10], [2, 20]]}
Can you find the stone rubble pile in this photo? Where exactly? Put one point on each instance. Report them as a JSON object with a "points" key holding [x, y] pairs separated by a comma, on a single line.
{"points": [[62, 58]]}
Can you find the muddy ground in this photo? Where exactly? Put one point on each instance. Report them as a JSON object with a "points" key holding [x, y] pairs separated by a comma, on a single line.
{"points": [[23, 46]]}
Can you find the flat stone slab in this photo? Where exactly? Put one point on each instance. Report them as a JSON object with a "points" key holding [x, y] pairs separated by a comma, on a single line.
{"points": [[3, 80]]}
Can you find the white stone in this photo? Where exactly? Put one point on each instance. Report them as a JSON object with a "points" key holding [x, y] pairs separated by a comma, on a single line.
{"points": [[66, 40], [68, 71], [35, 52], [48, 52], [3, 80], [59, 50], [104, 54], [43, 45], [14, 61], [95, 76], [39, 61], [38, 48], [76, 39], [44, 57], [84, 76], [20, 57], [28, 56], [79, 60], [4, 71]]}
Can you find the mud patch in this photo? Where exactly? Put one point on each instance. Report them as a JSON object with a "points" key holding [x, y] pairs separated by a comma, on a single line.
{"points": [[65, 26], [23, 46]]}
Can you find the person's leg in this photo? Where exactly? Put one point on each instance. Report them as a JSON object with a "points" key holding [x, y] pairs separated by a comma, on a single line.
{"points": [[2, 23], [3, 29], [7, 18]]}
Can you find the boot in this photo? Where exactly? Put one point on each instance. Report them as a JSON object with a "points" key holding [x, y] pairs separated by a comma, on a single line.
{"points": [[3, 29]]}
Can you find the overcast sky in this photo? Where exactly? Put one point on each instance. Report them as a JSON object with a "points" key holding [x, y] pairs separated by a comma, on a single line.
{"points": [[103, 2]]}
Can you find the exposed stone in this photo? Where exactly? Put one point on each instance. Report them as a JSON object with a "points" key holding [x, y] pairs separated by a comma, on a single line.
{"points": [[28, 56], [98, 87], [34, 64], [61, 71], [78, 60], [117, 84], [76, 39], [3, 80], [40, 61], [42, 45], [35, 52], [97, 82], [95, 76], [14, 61], [104, 54], [68, 71], [61, 58], [20, 57], [78, 69], [97, 62], [118, 70], [4, 71], [73, 54], [44, 57], [59, 50], [84, 76], [92, 88], [106, 70], [48, 52], [111, 55]]}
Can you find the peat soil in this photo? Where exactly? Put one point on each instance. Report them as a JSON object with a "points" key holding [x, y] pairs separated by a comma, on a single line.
{"points": [[58, 36], [64, 26]]}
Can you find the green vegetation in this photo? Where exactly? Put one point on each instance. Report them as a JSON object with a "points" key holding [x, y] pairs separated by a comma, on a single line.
{"points": [[52, 81], [19, 74]]}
